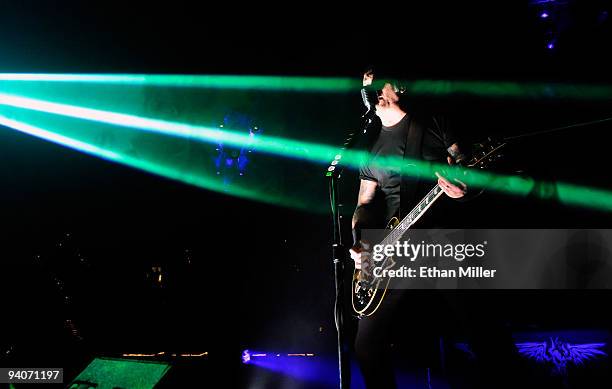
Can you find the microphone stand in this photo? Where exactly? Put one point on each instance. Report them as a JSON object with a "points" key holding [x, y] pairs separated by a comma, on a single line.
{"points": [[340, 252]]}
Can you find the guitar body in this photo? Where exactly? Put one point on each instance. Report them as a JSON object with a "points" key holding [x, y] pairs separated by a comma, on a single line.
{"points": [[367, 295]]}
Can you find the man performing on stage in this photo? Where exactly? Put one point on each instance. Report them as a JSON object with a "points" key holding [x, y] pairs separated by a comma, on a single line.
{"points": [[384, 194]]}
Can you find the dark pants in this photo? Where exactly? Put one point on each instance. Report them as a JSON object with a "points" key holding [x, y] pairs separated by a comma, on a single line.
{"points": [[414, 322]]}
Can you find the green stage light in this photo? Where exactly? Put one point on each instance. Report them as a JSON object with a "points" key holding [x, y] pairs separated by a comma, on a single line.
{"points": [[510, 90], [585, 197], [273, 145], [568, 194], [495, 89], [163, 168], [262, 83], [111, 135]]}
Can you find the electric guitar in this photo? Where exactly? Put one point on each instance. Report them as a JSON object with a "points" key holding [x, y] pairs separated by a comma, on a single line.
{"points": [[368, 291]]}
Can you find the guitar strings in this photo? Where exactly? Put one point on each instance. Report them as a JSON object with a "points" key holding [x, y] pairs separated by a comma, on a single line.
{"points": [[547, 131]]}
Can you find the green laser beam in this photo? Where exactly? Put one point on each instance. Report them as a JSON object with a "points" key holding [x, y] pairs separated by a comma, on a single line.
{"points": [[497, 89], [318, 153], [165, 170], [274, 145], [270, 83], [506, 89]]}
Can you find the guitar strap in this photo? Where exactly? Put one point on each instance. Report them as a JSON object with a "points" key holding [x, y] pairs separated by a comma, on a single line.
{"points": [[412, 150]]}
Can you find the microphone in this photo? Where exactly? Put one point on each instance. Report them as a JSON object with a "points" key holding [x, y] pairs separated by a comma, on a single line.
{"points": [[370, 99]]}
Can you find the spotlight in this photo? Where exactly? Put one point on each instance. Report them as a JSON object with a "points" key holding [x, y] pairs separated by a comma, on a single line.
{"points": [[246, 356], [544, 15], [550, 45], [250, 356]]}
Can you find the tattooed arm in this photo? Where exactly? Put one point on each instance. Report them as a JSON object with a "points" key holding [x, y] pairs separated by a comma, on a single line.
{"points": [[362, 216]]}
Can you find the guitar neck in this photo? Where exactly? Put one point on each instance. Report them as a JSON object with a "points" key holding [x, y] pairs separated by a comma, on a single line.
{"points": [[487, 152], [414, 215]]}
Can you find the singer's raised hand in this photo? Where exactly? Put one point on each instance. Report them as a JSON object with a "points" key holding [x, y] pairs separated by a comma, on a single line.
{"points": [[368, 77]]}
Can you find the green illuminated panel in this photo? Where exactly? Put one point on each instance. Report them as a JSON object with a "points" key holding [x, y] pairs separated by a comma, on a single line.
{"points": [[109, 373]]}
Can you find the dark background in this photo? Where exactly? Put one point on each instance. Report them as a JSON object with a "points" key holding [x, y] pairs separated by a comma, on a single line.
{"points": [[99, 228]]}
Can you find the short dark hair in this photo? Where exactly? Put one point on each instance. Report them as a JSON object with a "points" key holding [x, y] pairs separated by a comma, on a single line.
{"points": [[387, 74]]}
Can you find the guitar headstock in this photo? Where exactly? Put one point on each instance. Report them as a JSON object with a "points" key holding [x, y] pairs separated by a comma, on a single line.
{"points": [[486, 153]]}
